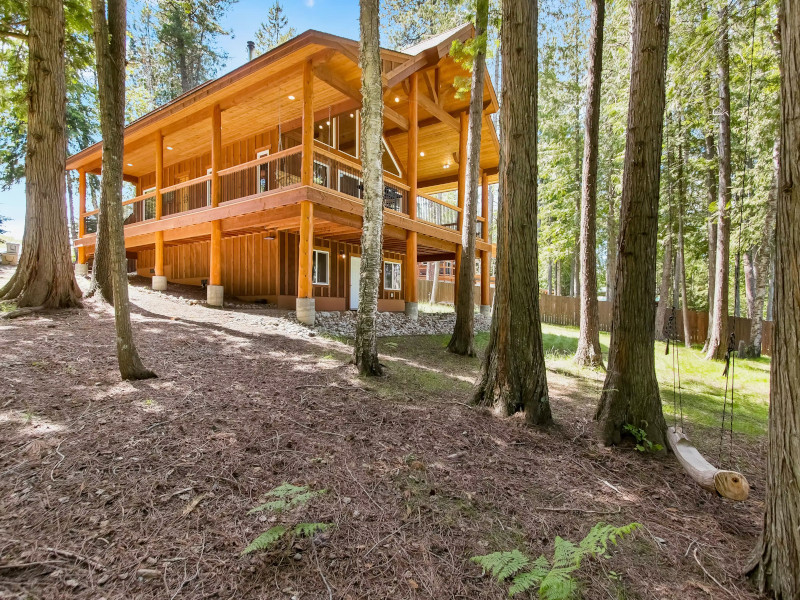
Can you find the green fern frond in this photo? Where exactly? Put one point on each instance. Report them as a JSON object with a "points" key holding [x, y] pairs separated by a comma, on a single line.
{"points": [[266, 539], [523, 582], [502, 564], [566, 554], [310, 529], [597, 540], [558, 585], [287, 500], [286, 489]]}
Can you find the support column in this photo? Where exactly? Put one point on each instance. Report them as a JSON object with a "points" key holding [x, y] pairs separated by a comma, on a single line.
{"points": [[81, 267], [462, 191], [412, 306], [486, 302], [159, 281], [305, 288], [307, 166], [215, 292]]}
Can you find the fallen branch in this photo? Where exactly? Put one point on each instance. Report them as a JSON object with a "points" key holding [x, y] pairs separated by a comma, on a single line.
{"points": [[580, 510], [21, 312], [710, 576], [78, 557]]}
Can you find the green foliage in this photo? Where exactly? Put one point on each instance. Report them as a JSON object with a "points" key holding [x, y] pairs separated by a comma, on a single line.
{"points": [[274, 31], [287, 497], [554, 581], [642, 443]]}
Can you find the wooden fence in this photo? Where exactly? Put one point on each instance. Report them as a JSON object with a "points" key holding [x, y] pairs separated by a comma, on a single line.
{"points": [[565, 310]]}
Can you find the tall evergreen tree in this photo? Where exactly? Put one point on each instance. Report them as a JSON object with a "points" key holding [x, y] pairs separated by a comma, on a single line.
{"points": [[45, 275], [630, 392], [513, 375], [462, 340], [110, 39], [776, 564], [274, 31], [366, 344]]}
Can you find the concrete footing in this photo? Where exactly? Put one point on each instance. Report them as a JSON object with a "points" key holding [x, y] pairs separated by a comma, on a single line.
{"points": [[486, 310], [81, 270], [306, 311], [159, 283], [214, 295], [412, 310]]}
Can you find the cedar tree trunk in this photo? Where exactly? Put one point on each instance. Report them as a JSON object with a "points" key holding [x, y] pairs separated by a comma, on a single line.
{"points": [[462, 341], [630, 392], [776, 564], [109, 40], [513, 374], [45, 275]]}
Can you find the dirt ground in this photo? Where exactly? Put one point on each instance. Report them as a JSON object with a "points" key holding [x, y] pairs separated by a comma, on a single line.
{"points": [[111, 489]]}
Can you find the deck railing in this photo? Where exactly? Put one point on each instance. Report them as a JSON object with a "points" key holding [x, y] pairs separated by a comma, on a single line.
{"points": [[186, 195], [272, 172], [437, 212], [336, 171], [141, 208]]}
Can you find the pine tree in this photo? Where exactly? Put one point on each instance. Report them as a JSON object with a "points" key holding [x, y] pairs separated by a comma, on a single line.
{"points": [[273, 32]]}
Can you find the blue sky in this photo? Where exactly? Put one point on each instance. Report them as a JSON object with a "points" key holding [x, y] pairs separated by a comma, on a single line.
{"points": [[339, 17]]}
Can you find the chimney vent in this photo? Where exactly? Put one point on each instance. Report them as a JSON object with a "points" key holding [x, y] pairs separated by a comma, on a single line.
{"points": [[251, 47]]}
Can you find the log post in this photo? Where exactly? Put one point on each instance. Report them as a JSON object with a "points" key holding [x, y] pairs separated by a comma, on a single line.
{"points": [[159, 281], [215, 292], [307, 167], [462, 191], [81, 268], [412, 306], [305, 288]]}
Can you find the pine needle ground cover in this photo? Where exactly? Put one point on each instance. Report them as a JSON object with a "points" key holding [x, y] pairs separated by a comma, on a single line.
{"points": [[141, 490]]}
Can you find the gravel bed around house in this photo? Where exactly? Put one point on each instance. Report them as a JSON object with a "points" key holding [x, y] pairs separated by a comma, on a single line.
{"points": [[392, 324]]}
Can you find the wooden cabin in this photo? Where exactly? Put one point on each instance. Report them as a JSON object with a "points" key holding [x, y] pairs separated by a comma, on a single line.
{"points": [[250, 184]]}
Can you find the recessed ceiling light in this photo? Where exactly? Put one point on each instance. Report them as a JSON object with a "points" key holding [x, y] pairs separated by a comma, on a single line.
{"points": [[130, 164], [397, 98], [169, 147], [422, 154], [447, 166], [320, 126], [352, 115], [327, 122], [291, 97]]}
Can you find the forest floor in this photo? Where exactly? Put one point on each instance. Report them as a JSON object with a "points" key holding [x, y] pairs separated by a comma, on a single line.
{"points": [[113, 489]]}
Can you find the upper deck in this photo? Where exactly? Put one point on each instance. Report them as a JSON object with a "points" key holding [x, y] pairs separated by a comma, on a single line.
{"points": [[260, 117]]}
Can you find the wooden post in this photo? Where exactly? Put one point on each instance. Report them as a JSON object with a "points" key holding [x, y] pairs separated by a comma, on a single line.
{"points": [[411, 236], [81, 213], [215, 258], [486, 300], [305, 288], [159, 262], [307, 170], [462, 190]]}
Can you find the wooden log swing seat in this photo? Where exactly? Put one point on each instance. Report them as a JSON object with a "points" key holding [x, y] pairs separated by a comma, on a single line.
{"points": [[728, 484]]}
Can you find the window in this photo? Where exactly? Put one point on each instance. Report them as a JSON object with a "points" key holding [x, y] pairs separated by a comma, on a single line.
{"points": [[347, 132], [262, 173], [208, 187], [321, 174], [319, 271], [392, 275], [389, 164], [324, 131], [350, 185]]}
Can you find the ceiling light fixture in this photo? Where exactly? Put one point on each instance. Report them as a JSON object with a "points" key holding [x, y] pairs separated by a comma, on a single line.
{"points": [[291, 97], [169, 147], [352, 115], [422, 154], [397, 98], [130, 164]]}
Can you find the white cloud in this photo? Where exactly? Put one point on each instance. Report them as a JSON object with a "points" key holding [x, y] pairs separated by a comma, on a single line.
{"points": [[310, 3]]}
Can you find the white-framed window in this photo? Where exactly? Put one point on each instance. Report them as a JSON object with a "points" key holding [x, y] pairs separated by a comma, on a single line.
{"points": [[262, 173], [390, 166], [321, 174], [149, 190], [320, 270], [392, 275], [350, 184], [208, 187]]}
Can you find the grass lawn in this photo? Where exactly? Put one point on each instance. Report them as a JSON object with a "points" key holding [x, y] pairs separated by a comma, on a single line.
{"points": [[424, 367]]}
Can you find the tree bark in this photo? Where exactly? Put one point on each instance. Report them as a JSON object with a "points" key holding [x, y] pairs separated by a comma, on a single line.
{"points": [[760, 260], [366, 345], [682, 170], [664, 290], [776, 564], [611, 247], [718, 341], [109, 39], [462, 340], [630, 392], [72, 227], [435, 281], [711, 195], [589, 352], [45, 275], [513, 375]]}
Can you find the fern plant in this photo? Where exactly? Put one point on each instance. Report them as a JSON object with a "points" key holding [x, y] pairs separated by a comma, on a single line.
{"points": [[642, 443], [553, 580], [286, 497]]}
